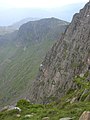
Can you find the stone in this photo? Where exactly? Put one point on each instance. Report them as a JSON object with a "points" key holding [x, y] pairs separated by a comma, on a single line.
{"points": [[13, 108], [28, 115], [8, 108], [85, 115], [45, 118], [18, 115], [73, 100], [67, 118], [81, 75]]}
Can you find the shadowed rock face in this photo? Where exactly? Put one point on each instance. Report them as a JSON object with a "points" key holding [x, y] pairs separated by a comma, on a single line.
{"points": [[67, 58]]}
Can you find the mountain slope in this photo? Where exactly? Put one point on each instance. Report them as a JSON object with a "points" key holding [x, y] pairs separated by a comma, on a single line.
{"points": [[9, 29], [20, 60], [67, 59], [74, 105], [71, 60], [36, 31], [23, 21], [5, 30], [18, 67]]}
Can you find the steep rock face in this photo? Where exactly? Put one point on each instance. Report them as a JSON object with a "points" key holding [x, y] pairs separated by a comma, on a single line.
{"points": [[67, 58]]}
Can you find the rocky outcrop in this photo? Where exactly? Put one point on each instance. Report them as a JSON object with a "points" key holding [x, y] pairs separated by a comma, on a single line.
{"points": [[67, 58], [9, 108]]}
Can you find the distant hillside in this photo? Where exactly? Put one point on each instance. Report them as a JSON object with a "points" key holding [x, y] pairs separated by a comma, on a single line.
{"points": [[9, 29], [6, 30], [36, 31], [21, 55], [23, 21]]}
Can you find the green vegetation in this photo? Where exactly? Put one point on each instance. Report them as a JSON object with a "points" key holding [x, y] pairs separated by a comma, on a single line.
{"points": [[64, 107], [18, 67], [22, 52]]}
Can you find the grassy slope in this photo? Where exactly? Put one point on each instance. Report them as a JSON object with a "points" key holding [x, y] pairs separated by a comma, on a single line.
{"points": [[18, 68], [55, 110]]}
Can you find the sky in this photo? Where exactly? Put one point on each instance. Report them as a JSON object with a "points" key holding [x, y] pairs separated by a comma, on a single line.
{"points": [[4, 4], [15, 10]]}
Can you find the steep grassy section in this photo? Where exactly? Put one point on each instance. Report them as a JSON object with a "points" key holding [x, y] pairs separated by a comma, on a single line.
{"points": [[21, 54], [18, 67]]}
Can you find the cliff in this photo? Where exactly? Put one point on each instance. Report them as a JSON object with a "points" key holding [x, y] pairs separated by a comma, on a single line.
{"points": [[66, 59]]}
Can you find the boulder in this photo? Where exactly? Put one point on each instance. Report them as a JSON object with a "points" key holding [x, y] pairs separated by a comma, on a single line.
{"points": [[85, 115]]}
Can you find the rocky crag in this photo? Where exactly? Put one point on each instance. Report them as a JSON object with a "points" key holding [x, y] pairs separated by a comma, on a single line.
{"points": [[67, 59]]}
